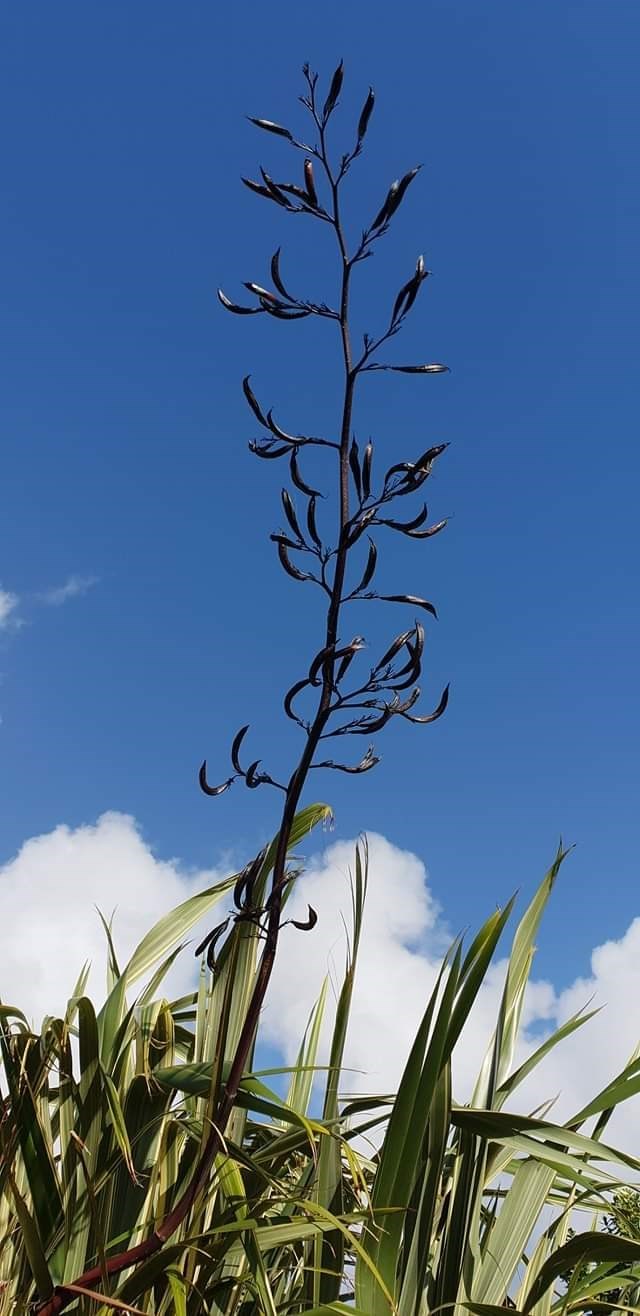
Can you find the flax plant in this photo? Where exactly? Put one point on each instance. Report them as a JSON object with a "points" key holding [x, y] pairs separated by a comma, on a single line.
{"points": [[147, 1165]]}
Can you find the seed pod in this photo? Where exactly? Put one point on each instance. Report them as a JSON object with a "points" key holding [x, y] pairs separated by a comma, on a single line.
{"points": [[276, 276], [366, 470], [243, 890], [212, 937], [278, 537], [262, 293], [290, 513], [318, 663], [290, 696], [265, 449], [408, 703], [309, 182], [360, 527], [368, 761], [437, 712], [429, 533], [299, 192], [405, 526], [310, 922], [259, 189], [288, 566], [298, 480], [334, 92], [251, 778], [275, 193], [412, 599], [348, 655], [354, 462], [367, 576], [233, 306], [235, 748], [407, 295], [270, 127], [212, 790], [253, 402], [393, 649], [279, 433], [434, 369], [393, 198], [367, 110], [311, 523], [280, 313]]}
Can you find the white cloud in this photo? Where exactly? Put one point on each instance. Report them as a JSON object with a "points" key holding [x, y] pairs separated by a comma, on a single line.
{"points": [[73, 588], [49, 891], [8, 605], [49, 895]]}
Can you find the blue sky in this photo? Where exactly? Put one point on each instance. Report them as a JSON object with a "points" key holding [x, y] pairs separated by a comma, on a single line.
{"points": [[124, 453]]}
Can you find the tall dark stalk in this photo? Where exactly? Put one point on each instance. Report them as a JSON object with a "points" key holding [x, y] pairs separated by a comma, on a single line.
{"points": [[397, 671]]}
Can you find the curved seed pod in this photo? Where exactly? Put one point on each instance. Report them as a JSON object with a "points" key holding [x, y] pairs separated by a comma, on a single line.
{"points": [[233, 306], [298, 480], [360, 527], [212, 790], [288, 566], [251, 777], [296, 191], [277, 278], [434, 368], [280, 887], [354, 463], [239, 889], [260, 190], [366, 470], [348, 655], [253, 402], [422, 465], [291, 695], [400, 468], [413, 599], [318, 663], [408, 703], [311, 523], [437, 712], [280, 538], [279, 313], [369, 761], [279, 433], [334, 91], [212, 937], [235, 748], [429, 533], [262, 293], [367, 110], [243, 890], [310, 922], [408, 293], [393, 198], [266, 450], [405, 526], [310, 183], [270, 127], [369, 569], [275, 193], [290, 513], [393, 649]]}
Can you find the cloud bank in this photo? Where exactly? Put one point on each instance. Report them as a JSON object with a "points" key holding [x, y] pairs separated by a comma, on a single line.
{"points": [[48, 897]]}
